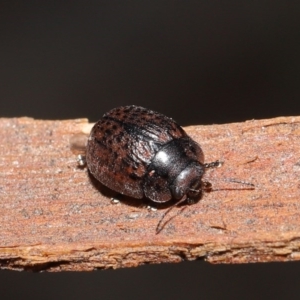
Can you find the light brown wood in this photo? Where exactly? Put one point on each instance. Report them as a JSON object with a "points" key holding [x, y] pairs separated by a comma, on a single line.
{"points": [[54, 216]]}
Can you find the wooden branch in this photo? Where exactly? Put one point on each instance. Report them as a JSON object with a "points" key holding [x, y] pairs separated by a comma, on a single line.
{"points": [[54, 216]]}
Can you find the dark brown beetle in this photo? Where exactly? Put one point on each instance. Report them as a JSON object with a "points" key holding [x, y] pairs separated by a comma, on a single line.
{"points": [[138, 152]]}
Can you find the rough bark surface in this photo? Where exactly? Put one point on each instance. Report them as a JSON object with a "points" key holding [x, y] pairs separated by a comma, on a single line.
{"points": [[54, 216]]}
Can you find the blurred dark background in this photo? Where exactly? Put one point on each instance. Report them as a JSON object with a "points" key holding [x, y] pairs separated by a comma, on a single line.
{"points": [[199, 62]]}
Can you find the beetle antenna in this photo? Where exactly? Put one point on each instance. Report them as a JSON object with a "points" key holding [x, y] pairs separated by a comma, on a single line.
{"points": [[239, 181], [217, 164], [250, 185], [159, 228]]}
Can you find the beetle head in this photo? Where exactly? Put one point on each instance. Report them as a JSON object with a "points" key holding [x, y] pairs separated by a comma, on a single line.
{"points": [[189, 182]]}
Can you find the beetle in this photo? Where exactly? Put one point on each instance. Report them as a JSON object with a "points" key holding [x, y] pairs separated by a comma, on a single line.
{"points": [[142, 153]]}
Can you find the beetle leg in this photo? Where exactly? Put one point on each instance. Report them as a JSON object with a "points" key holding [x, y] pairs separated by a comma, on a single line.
{"points": [[214, 164]]}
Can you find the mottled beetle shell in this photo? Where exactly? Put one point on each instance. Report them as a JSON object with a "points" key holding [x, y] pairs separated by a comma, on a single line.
{"points": [[138, 152]]}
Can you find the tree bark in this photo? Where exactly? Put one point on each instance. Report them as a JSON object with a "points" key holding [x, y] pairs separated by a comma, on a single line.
{"points": [[54, 216]]}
